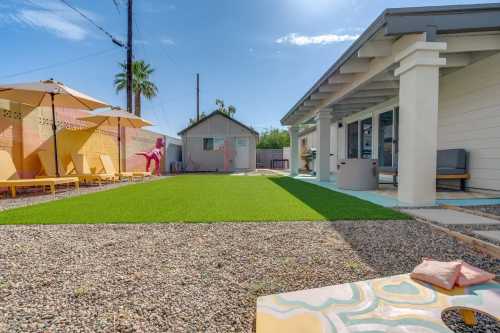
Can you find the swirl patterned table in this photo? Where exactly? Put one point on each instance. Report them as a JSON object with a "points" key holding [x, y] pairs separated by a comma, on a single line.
{"points": [[391, 304]]}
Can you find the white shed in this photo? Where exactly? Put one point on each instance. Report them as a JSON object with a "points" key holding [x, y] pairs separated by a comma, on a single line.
{"points": [[219, 143]]}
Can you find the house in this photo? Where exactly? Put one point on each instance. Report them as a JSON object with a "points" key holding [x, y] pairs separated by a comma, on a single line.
{"points": [[218, 142], [418, 80]]}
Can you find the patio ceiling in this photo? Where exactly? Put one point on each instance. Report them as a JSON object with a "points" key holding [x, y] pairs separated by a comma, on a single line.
{"points": [[364, 76]]}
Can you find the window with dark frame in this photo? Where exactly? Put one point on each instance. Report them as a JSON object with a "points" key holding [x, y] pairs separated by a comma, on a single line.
{"points": [[208, 144], [366, 138], [353, 140]]}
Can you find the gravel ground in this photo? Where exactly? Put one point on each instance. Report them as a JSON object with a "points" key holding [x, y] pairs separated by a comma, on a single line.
{"points": [[486, 324], [193, 277], [27, 197]]}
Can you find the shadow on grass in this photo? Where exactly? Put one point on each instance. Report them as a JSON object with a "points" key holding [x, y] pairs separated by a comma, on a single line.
{"points": [[333, 205]]}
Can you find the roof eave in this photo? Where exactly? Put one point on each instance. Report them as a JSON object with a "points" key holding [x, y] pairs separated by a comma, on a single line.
{"points": [[367, 34], [399, 26]]}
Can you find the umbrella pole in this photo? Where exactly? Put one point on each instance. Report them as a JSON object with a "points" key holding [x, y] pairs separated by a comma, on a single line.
{"points": [[54, 133], [119, 148]]}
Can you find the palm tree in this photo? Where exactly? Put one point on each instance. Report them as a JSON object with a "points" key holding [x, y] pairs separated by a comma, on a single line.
{"points": [[141, 84], [221, 107]]}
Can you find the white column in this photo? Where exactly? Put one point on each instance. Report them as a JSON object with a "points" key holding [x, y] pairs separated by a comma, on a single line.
{"points": [[294, 150], [323, 153], [418, 121]]}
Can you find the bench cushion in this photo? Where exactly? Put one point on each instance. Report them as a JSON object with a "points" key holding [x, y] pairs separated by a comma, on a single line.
{"points": [[389, 170], [452, 159], [451, 171]]}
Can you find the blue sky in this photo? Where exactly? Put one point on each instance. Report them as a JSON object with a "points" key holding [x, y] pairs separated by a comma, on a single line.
{"points": [[259, 55]]}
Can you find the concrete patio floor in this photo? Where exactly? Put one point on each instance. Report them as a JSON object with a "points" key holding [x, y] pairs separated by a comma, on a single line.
{"points": [[387, 194]]}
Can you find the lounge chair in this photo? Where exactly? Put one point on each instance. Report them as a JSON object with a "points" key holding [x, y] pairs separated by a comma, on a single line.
{"points": [[109, 168], [83, 172], [391, 304], [48, 168], [9, 177]]}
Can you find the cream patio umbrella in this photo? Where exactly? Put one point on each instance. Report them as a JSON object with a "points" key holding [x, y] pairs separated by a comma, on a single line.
{"points": [[120, 118], [52, 94]]}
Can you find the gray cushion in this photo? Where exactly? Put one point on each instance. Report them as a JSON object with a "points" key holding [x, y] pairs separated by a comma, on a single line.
{"points": [[451, 171], [388, 169], [451, 159]]}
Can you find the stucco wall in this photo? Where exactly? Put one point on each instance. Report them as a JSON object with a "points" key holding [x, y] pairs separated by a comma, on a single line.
{"points": [[469, 117], [25, 130], [196, 159]]}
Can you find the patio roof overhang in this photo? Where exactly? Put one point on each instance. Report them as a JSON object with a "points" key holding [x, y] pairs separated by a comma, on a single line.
{"points": [[364, 75]]}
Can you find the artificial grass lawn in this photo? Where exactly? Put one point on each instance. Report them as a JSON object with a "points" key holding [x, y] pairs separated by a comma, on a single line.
{"points": [[204, 198]]}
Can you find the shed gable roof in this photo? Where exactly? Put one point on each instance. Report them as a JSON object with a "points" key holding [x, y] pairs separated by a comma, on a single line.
{"points": [[251, 130]]}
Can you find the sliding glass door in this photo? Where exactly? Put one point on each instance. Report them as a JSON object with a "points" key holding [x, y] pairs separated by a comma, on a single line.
{"points": [[387, 138], [352, 140], [359, 139], [366, 138]]}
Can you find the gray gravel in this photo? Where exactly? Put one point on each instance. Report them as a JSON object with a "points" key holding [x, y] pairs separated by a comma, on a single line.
{"points": [[485, 324], [31, 196], [193, 277]]}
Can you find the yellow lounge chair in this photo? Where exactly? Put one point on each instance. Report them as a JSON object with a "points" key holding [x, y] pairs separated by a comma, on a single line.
{"points": [[9, 177], [48, 168], [109, 168], [83, 172]]}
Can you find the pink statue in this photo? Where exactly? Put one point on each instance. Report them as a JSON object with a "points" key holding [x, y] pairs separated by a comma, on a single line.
{"points": [[155, 155]]}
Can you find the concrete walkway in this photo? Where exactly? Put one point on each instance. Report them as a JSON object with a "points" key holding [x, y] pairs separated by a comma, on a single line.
{"points": [[448, 216], [453, 219], [493, 235]]}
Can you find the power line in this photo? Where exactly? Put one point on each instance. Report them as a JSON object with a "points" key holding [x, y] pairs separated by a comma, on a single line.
{"points": [[57, 64], [117, 6], [82, 14]]}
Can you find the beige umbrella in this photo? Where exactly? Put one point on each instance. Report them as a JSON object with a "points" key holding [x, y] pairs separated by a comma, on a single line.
{"points": [[120, 118], [49, 93]]}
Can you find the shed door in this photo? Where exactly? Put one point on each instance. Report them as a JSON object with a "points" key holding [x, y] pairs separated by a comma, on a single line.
{"points": [[241, 160]]}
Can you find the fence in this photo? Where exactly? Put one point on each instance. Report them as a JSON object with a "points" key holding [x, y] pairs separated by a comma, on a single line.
{"points": [[271, 159]]}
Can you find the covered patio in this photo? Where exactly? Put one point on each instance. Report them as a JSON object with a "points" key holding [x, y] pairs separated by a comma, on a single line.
{"points": [[387, 195], [417, 81]]}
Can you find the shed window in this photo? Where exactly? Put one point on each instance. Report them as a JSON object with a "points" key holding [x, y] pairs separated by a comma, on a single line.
{"points": [[208, 144]]}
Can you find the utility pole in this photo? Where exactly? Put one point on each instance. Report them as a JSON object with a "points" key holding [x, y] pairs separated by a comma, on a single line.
{"points": [[129, 58], [197, 96]]}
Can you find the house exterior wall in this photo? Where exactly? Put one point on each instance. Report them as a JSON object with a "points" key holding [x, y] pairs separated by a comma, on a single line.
{"points": [[217, 126], [469, 118]]}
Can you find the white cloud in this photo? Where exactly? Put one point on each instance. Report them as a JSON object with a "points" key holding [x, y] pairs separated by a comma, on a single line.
{"points": [[53, 17], [167, 41], [301, 40]]}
